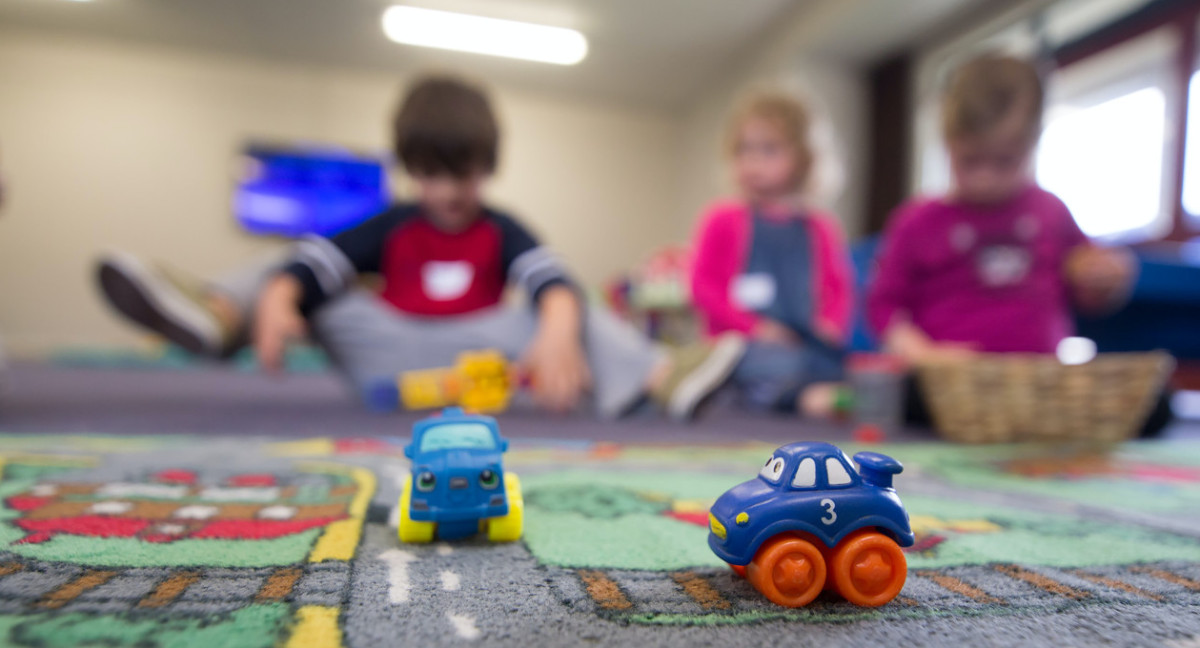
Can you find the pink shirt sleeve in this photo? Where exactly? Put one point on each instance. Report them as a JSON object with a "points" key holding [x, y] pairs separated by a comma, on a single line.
{"points": [[890, 291], [714, 267]]}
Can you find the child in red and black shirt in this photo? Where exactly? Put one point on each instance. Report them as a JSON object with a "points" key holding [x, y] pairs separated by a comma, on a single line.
{"points": [[445, 262]]}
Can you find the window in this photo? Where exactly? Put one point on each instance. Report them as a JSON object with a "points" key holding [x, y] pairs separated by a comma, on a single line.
{"points": [[837, 472], [806, 474], [1106, 149], [1191, 157], [1105, 161], [1121, 144]]}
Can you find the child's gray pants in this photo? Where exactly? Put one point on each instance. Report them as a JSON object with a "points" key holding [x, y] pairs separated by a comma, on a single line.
{"points": [[369, 340]]}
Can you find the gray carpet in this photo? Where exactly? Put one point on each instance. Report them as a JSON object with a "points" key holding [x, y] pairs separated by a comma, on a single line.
{"points": [[224, 400]]}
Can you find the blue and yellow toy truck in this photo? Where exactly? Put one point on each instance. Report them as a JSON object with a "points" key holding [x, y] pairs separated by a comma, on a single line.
{"points": [[458, 486], [809, 521]]}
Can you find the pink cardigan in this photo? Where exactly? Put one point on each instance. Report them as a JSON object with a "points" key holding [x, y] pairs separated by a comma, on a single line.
{"points": [[722, 243]]}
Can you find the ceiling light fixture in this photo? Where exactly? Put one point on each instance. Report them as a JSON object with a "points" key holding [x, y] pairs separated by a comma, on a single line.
{"points": [[479, 35]]}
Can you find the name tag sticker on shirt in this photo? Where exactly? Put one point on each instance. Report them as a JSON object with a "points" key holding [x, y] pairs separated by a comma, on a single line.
{"points": [[446, 280], [1000, 266], [754, 291]]}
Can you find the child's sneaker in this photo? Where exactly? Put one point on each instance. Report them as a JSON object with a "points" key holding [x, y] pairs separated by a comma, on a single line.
{"points": [[696, 373], [173, 306]]}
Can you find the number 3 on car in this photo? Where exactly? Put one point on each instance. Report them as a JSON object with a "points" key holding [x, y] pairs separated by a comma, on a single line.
{"points": [[809, 521]]}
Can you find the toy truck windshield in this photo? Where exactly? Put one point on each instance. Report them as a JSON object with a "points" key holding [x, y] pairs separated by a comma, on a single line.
{"points": [[456, 436]]}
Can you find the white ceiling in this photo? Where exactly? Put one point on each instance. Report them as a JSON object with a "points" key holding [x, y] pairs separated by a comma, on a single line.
{"points": [[646, 52]]}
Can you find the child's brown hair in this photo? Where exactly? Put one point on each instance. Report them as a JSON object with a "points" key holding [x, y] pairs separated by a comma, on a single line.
{"points": [[986, 90], [446, 125], [785, 112]]}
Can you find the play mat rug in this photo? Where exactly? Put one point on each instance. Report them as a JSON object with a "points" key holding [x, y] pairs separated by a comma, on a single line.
{"points": [[172, 541]]}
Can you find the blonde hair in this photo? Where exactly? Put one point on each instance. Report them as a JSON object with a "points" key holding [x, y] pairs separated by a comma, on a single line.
{"points": [[985, 91], [785, 112]]}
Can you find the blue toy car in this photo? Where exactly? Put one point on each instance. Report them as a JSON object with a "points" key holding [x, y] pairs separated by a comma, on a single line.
{"points": [[458, 486], [809, 521]]}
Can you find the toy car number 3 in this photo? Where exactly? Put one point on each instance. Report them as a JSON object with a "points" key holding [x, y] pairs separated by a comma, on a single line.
{"points": [[830, 516]]}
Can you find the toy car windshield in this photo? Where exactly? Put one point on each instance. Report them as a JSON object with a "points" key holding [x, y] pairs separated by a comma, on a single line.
{"points": [[454, 436]]}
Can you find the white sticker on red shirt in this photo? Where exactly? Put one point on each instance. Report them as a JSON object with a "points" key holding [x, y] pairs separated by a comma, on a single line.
{"points": [[446, 280]]}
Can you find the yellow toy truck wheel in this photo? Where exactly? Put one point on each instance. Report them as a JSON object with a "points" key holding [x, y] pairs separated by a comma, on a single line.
{"points": [[410, 530], [508, 528]]}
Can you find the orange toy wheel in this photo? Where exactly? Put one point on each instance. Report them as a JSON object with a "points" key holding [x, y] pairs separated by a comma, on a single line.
{"points": [[868, 569], [740, 570], [788, 570]]}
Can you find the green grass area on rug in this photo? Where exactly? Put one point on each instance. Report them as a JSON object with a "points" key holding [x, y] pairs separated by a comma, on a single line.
{"points": [[173, 541]]}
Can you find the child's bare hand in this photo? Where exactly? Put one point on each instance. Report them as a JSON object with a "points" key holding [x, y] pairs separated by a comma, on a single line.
{"points": [[911, 343], [771, 331], [558, 369], [947, 353], [277, 321], [1100, 277]]}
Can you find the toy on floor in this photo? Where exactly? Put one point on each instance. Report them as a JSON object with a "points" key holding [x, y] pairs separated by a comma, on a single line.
{"points": [[479, 381], [458, 486], [809, 521]]}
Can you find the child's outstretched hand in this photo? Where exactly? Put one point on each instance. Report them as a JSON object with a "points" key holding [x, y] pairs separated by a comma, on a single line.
{"points": [[277, 321], [559, 371], [911, 343], [555, 360], [769, 331], [1100, 278]]}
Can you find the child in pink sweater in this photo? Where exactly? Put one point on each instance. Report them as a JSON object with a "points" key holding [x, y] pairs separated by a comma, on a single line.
{"points": [[771, 268], [998, 264]]}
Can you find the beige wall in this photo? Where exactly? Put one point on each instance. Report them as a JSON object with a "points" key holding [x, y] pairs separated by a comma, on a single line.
{"points": [[835, 91], [109, 145]]}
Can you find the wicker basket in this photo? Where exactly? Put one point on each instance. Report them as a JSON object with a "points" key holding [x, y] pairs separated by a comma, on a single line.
{"points": [[1002, 398]]}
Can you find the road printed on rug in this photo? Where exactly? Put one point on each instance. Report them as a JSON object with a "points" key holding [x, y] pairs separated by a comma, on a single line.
{"points": [[262, 544]]}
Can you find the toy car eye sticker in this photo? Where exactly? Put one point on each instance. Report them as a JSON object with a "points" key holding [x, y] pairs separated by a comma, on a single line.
{"points": [[426, 481], [488, 479], [806, 474], [830, 515], [773, 470]]}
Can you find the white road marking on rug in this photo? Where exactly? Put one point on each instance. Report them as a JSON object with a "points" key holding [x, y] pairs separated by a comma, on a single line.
{"points": [[444, 549], [195, 512], [450, 581], [109, 508], [1194, 642], [464, 626], [398, 584]]}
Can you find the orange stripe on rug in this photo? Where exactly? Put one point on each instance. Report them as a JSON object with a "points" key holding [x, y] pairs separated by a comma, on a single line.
{"points": [[1170, 577], [1042, 582], [10, 568], [1116, 584], [279, 585], [701, 591], [604, 590], [70, 591], [959, 587], [170, 589]]}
